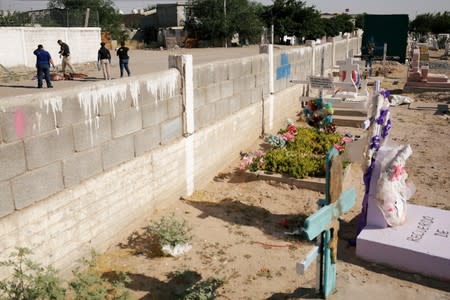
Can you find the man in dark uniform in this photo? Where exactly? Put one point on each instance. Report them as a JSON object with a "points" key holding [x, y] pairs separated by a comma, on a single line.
{"points": [[43, 61], [65, 53]]}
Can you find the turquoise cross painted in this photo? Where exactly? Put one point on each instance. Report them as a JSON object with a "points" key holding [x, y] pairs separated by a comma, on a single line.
{"points": [[323, 226]]}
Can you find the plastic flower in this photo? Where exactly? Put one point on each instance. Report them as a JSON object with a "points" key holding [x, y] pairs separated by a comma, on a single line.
{"points": [[397, 171], [289, 137], [276, 141], [292, 129]]}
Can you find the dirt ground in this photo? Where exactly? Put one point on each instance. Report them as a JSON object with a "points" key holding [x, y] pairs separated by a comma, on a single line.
{"points": [[239, 225]]}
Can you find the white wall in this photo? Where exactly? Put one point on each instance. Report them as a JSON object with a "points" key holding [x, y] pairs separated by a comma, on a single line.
{"points": [[18, 44]]}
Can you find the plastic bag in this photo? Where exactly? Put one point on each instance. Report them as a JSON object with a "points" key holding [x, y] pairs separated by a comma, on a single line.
{"points": [[393, 189]]}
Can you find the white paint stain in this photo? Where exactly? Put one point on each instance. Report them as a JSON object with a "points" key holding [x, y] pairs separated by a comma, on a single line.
{"points": [[135, 91], [164, 86], [90, 101], [189, 94], [54, 105]]}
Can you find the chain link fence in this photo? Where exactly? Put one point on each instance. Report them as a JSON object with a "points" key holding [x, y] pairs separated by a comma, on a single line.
{"points": [[51, 18]]}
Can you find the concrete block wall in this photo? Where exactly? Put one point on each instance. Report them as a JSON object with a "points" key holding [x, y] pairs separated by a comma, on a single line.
{"points": [[82, 169], [223, 88], [22, 41]]}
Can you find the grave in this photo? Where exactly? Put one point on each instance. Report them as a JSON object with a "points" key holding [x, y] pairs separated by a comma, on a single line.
{"points": [[421, 244], [420, 78], [350, 93], [349, 105]]}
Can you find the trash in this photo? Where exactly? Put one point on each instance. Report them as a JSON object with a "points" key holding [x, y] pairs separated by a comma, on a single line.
{"points": [[395, 100], [176, 250]]}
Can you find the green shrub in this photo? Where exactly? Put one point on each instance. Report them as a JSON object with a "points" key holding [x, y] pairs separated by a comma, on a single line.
{"points": [[30, 280], [204, 290], [302, 157], [170, 231]]}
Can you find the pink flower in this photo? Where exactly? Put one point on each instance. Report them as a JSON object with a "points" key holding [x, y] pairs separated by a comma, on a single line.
{"points": [[259, 153], [287, 136], [245, 162], [397, 171], [339, 148], [292, 129]]}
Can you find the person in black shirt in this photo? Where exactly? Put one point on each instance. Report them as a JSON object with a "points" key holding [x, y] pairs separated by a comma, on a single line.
{"points": [[43, 61], [104, 59], [65, 53], [122, 53]]}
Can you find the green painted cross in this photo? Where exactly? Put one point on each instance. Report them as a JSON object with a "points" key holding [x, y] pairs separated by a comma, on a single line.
{"points": [[323, 226]]}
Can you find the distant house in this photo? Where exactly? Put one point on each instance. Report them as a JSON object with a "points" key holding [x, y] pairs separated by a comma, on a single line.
{"points": [[160, 24]]}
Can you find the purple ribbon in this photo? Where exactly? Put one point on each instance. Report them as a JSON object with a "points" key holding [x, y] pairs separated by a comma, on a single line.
{"points": [[382, 117], [375, 142], [385, 131], [385, 93]]}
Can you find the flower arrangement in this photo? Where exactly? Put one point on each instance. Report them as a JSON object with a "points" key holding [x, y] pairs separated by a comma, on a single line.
{"points": [[319, 114], [298, 152]]}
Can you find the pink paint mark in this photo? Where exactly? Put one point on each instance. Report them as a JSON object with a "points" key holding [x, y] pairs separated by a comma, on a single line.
{"points": [[19, 123]]}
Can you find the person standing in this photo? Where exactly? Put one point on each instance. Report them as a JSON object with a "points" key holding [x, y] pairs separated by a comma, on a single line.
{"points": [[43, 62], [370, 56], [65, 53], [122, 53], [104, 58]]}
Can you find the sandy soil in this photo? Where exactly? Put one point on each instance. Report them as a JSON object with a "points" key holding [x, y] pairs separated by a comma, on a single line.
{"points": [[239, 226], [239, 222]]}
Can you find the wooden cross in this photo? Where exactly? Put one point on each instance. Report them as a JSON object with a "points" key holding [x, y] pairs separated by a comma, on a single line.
{"points": [[323, 226]]}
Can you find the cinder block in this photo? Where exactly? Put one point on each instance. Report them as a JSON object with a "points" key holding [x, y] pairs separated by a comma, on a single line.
{"points": [[261, 79], [12, 160], [6, 200], [257, 64], [71, 112], [235, 103], [213, 93], [226, 89], [205, 75], [154, 114], [171, 130], [220, 72], [91, 133], [117, 151], [245, 98], [110, 98], [246, 68], [81, 166], [37, 185], [174, 106], [25, 121], [205, 115], [47, 148], [199, 97], [147, 139], [222, 109], [257, 94], [126, 122], [196, 76], [147, 98], [234, 70]]}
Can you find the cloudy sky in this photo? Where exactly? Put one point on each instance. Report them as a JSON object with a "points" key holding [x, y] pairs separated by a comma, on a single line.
{"points": [[411, 7]]}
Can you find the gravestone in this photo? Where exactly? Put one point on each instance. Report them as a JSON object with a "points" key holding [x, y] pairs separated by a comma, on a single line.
{"points": [[420, 78], [422, 243]]}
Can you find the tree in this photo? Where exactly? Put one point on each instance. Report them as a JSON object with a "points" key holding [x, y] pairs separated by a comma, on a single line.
{"points": [[293, 17], [208, 20], [109, 17], [339, 23]]}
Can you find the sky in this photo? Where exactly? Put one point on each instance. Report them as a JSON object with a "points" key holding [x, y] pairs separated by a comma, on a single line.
{"points": [[410, 7]]}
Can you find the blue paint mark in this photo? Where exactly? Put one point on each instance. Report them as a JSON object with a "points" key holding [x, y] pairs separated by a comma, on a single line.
{"points": [[284, 70]]}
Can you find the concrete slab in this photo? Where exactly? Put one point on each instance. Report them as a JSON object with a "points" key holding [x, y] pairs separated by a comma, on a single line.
{"points": [[421, 245]]}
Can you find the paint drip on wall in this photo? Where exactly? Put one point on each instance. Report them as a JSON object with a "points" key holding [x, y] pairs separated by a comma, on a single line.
{"points": [[164, 86]]}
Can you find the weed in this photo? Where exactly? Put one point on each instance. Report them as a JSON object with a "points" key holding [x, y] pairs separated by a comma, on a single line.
{"points": [[170, 231], [30, 280], [203, 290]]}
